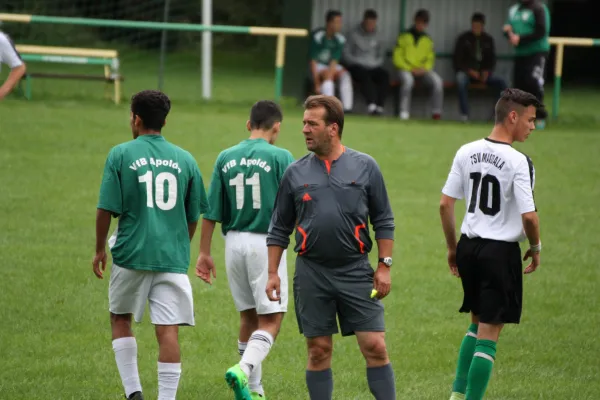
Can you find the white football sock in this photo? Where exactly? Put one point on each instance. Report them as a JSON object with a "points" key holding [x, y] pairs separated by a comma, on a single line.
{"points": [[258, 347], [126, 356], [346, 91], [168, 380], [255, 378], [327, 88]]}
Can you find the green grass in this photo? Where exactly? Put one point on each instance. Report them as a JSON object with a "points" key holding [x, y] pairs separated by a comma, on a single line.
{"points": [[55, 335]]}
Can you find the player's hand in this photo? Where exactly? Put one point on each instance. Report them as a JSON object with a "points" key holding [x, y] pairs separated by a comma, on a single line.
{"points": [[418, 71], [382, 281], [507, 28], [474, 74], [452, 263], [514, 39], [317, 88], [273, 287], [484, 76], [205, 266], [99, 264], [535, 261]]}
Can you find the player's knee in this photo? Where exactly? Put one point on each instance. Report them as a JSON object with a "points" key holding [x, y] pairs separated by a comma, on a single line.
{"points": [[120, 325], [270, 323], [326, 76], [319, 353]]}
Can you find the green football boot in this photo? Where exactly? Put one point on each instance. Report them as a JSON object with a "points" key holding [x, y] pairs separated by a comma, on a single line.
{"points": [[257, 396], [238, 381]]}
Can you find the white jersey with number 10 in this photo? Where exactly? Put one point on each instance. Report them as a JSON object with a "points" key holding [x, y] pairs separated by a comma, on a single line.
{"points": [[497, 184]]}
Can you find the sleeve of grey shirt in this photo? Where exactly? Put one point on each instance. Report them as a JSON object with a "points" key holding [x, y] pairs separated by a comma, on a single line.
{"points": [[380, 210], [348, 54], [284, 214]]}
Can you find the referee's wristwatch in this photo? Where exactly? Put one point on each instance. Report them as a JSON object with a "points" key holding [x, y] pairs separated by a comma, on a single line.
{"points": [[387, 261]]}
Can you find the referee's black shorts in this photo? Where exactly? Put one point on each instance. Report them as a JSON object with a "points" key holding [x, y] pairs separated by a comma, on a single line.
{"points": [[492, 279]]}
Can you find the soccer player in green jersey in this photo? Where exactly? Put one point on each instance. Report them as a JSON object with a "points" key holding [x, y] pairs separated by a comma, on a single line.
{"points": [[241, 197], [326, 50], [155, 189]]}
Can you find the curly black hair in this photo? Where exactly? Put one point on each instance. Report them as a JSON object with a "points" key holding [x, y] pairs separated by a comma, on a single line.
{"points": [[152, 106]]}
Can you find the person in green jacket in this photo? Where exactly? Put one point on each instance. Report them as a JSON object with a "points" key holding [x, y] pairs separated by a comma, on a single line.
{"points": [[528, 30], [414, 57]]}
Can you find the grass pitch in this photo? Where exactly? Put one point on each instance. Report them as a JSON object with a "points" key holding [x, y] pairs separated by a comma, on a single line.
{"points": [[55, 336]]}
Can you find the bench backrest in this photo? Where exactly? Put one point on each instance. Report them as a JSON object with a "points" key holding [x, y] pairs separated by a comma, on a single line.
{"points": [[66, 51]]}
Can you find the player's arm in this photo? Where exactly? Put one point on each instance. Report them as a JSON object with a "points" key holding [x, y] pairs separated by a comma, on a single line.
{"points": [[109, 204], [196, 202], [280, 229], [540, 27], [205, 265], [314, 51], [453, 190], [336, 57], [382, 220], [448, 222], [17, 67], [523, 184]]}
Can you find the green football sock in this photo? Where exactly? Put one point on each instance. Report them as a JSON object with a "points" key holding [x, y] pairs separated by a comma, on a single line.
{"points": [[481, 369], [465, 355]]}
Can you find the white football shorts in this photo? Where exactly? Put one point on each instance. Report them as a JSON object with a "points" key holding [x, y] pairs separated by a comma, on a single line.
{"points": [[169, 295], [246, 262]]}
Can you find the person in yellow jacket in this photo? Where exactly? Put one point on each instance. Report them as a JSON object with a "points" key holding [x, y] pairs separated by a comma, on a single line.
{"points": [[414, 57]]}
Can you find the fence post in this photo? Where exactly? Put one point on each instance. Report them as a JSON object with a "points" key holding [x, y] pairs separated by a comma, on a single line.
{"points": [[279, 61], [558, 65], [163, 47]]}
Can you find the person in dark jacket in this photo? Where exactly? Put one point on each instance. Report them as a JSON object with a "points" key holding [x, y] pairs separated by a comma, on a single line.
{"points": [[475, 61]]}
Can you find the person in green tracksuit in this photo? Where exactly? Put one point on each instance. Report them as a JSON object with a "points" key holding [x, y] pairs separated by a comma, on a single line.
{"points": [[528, 30]]}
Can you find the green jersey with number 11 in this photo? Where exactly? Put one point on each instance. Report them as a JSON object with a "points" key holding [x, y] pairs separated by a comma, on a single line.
{"points": [[244, 185], [156, 189]]}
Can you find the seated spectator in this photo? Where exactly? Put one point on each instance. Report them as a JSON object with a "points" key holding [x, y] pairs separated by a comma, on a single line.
{"points": [[326, 47], [414, 57], [364, 57], [474, 61]]}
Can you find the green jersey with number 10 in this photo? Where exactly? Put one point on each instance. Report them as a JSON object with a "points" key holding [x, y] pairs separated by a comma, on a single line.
{"points": [[244, 185], [156, 189]]}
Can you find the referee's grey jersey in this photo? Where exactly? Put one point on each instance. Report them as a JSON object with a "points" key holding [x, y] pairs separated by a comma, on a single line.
{"points": [[8, 52], [497, 184]]}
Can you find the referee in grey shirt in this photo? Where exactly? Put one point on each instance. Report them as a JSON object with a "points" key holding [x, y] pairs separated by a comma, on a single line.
{"points": [[329, 196], [10, 57]]}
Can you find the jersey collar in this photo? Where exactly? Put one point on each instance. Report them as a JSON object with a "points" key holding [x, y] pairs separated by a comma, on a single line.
{"points": [[149, 137], [497, 141]]}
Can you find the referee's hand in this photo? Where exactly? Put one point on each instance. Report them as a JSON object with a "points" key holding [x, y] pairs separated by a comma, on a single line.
{"points": [[535, 261], [273, 287], [382, 281]]}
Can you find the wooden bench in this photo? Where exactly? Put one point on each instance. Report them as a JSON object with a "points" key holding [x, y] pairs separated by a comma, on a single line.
{"points": [[69, 55]]}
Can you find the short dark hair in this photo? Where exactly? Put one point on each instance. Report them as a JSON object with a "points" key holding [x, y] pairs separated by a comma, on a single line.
{"points": [[513, 99], [334, 111], [422, 15], [264, 114], [152, 106], [370, 14], [331, 14], [478, 17]]}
